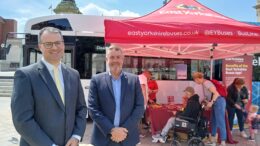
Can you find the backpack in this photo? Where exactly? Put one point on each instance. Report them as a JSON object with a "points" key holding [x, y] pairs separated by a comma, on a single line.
{"points": [[220, 88]]}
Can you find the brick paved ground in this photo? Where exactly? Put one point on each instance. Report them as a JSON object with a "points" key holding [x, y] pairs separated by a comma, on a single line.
{"points": [[147, 141], [9, 137]]}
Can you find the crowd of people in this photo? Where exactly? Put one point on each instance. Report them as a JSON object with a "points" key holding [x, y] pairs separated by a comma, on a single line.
{"points": [[233, 103], [49, 109]]}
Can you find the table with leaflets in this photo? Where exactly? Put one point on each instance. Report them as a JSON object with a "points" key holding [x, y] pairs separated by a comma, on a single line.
{"points": [[159, 115]]}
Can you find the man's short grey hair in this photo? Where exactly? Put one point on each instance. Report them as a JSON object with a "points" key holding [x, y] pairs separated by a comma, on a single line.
{"points": [[48, 29], [115, 48]]}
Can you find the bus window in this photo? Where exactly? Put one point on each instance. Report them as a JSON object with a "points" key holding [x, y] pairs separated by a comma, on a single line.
{"points": [[91, 64], [83, 66], [62, 24], [131, 65], [67, 58], [35, 56], [98, 63]]}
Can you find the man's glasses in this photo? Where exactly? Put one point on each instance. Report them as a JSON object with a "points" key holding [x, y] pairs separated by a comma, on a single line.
{"points": [[49, 45]]}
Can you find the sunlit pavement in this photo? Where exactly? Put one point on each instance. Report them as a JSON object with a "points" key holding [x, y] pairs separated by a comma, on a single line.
{"points": [[9, 137]]}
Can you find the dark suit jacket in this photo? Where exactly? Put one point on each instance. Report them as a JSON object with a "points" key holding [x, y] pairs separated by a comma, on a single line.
{"points": [[38, 113], [102, 108]]}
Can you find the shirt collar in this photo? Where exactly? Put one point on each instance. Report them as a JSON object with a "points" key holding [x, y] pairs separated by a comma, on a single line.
{"points": [[50, 66], [113, 77]]}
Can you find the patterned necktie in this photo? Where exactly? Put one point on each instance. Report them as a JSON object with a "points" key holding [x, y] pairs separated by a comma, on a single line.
{"points": [[58, 83]]}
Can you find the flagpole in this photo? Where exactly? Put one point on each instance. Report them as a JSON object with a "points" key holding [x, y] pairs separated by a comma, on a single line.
{"points": [[51, 7]]}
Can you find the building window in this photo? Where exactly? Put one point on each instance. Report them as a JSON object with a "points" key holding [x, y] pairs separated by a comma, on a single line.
{"points": [[62, 24]]}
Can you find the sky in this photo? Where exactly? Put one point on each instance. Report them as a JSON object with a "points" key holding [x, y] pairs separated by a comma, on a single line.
{"points": [[22, 10]]}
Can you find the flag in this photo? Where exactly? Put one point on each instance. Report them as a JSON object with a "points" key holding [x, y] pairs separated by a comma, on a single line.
{"points": [[50, 7]]}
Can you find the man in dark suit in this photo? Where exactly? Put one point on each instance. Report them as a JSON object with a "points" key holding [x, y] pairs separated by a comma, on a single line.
{"points": [[48, 105], [116, 104]]}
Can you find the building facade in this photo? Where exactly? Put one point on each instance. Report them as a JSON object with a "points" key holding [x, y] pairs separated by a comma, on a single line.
{"points": [[6, 25], [8, 60]]}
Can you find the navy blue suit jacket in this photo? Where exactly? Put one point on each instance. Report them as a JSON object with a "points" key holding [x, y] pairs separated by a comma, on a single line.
{"points": [[102, 108], [38, 113]]}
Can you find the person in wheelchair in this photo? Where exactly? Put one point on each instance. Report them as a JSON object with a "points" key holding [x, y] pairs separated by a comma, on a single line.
{"points": [[192, 110]]}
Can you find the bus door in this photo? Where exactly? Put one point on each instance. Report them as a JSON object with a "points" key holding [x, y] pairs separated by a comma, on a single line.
{"points": [[91, 64]]}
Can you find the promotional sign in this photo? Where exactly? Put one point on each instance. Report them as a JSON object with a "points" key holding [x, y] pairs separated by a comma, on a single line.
{"points": [[170, 99], [239, 67], [181, 70]]}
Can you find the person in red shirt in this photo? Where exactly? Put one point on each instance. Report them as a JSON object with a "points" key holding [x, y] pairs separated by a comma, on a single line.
{"points": [[152, 89]]}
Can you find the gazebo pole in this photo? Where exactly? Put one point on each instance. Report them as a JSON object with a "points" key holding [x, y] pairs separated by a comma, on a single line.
{"points": [[211, 59], [211, 68]]}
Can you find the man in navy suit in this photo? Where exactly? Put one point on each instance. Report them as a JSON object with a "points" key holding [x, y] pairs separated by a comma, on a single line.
{"points": [[48, 105], [116, 104]]}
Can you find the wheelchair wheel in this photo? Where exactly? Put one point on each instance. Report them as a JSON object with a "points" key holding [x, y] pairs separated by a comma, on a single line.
{"points": [[175, 143], [195, 142]]}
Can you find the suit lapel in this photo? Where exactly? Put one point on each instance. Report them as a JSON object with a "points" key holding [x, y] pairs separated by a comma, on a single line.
{"points": [[44, 73], [67, 85], [124, 81], [109, 84]]}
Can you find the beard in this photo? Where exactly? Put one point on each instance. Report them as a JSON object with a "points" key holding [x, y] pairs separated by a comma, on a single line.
{"points": [[115, 68]]}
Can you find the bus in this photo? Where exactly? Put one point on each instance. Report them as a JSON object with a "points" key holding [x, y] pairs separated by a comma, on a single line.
{"points": [[85, 51]]}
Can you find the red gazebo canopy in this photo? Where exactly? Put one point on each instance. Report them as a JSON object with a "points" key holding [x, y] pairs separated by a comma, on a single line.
{"points": [[184, 29]]}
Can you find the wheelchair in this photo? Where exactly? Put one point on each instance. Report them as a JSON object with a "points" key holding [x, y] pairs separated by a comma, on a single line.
{"points": [[195, 129]]}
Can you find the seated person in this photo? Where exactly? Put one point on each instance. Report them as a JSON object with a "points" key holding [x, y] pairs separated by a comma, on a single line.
{"points": [[184, 101], [192, 109]]}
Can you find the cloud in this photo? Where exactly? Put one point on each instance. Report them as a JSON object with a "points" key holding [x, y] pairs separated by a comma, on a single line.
{"points": [[129, 13], [23, 11], [89, 9], [21, 23], [27, 15], [93, 9]]}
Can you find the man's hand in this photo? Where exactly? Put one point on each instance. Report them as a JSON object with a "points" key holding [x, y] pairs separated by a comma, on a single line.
{"points": [[118, 134], [73, 142]]}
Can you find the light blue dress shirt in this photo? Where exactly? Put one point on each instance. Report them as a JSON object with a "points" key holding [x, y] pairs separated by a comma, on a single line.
{"points": [[116, 83]]}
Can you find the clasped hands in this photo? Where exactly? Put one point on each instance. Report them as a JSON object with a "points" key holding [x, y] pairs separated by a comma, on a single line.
{"points": [[118, 134], [72, 142]]}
